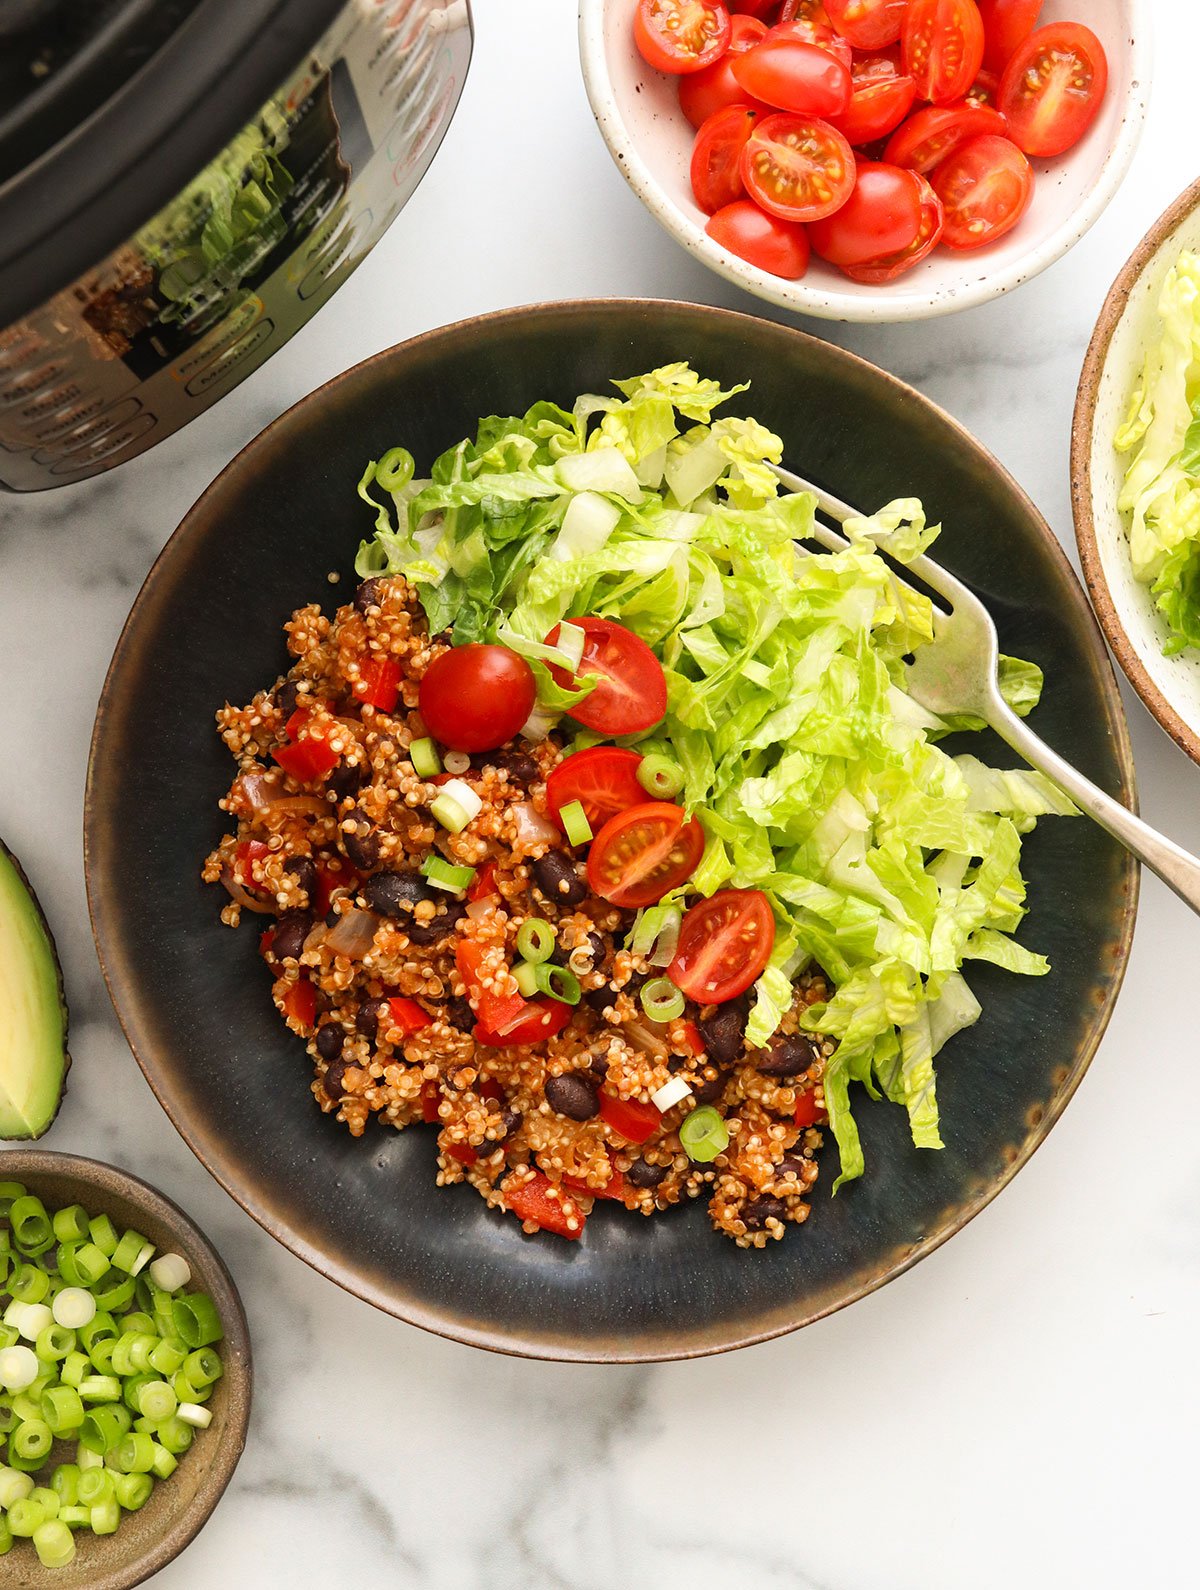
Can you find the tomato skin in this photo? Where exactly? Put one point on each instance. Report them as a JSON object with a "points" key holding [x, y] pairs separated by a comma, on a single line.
{"points": [[881, 97], [867, 24], [603, 779], [1053, 87], [985, 90], [703, 93], [874, 273], [942, 46], [632, 693], [543, 1018], [797, 167], [643, 852], [811, 29], [629, 1117], [539, 1201], [716, 157], [681, 35], [779, 247], [930, 134], [474, 698], [881, 216], [1006, 26], [724, 944], [985, 187], [796, 76]]}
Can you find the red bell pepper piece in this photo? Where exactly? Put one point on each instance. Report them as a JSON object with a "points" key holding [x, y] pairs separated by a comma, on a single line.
{"points": [[808, 1112], [308, 760], [630, 1117], [540, 1019], [431, 1097], [331, 876], [489, 1088], [462, 1152], [379, 681], [408, 1016], [300, 1003], [497, 1013], [549, 1207], [693, 1042], [244, 857], [265, 939], [484, 885], [614, 1187]]}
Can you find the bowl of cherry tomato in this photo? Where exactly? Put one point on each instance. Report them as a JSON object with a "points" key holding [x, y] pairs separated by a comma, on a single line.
{"points": [[870, 159]]}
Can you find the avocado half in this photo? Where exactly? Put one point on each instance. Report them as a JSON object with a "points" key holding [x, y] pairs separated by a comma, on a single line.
{"points": [[33, 1011]]}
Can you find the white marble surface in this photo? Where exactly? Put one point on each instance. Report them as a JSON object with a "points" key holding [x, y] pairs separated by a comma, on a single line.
{"points": [[1021, 1408]]}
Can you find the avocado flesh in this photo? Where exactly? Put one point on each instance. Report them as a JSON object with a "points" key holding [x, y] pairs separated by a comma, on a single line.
{"points": [[33, 1013]]}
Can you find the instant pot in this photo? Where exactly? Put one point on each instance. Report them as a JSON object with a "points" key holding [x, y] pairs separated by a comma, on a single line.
{"points": [[182, 184]]}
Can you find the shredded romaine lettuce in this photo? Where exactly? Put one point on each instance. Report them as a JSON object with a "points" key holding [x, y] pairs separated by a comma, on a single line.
{"points": [[889, 861]]}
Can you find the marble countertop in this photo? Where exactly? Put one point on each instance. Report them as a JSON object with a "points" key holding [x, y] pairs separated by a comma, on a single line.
{"points": [[1020, 1409]]}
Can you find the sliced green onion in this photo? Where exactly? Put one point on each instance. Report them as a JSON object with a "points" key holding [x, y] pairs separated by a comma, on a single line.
{"points": [[25, 1516], [65, 1484], [165, 1463], [656, 934], [575, 824], [14, 1486], [104, 1235], [133, 1390], [176, 1434], [70, 1224], [45, 1496], [10, 1191], [116, 1293], [104, 1427], [54, 1343], [18, 1368], [660, 777], [423, 755], [74, 1366], [138, 1324], [444, 874], [704, 1135], [192, 1413], [132, 1253], [196, 1320], [525, 977], [456, 805], [8, 1417], [34, 1319], [95, 1485], [672, 1092], [169, 1356], [135, 1455], [102, 1355], [54, 1544], [31, 1440], [62, 1409], [31, 1228], [204, 1367], [106, 1517], [75, 1516], [157, 1400], [661, 1000], [133, 1489], [536, 940], [559, 982], [73, 1307], [395, 469], [29, 1283], [92, 1263], [100, 1388], [140, 1349], [171, 1272], [99, 1327]]}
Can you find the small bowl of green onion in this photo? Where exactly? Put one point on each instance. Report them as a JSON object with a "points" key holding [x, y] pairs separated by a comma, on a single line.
{"points": [[124, 1375]]}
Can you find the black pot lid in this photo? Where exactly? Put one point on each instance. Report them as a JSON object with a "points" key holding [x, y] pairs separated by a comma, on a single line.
{"points": [[108, 108]]}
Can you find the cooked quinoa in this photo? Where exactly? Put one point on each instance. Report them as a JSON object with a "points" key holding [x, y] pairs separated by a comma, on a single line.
{"points": [[365, 958]]}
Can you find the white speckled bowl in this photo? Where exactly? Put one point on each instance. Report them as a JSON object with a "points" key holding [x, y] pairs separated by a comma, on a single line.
{"points": [[1170, 686], [647, 135]]}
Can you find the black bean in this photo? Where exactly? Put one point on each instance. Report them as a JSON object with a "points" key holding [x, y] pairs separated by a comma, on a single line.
{"points": [[785, 1056], [287, 697], [637, 981], [573, 1096], [643, 1174], [390, 892], [510, 1120], [790, 1165], [334, 1079], [600, 998], [369, 594], [724, 1032], [597, 951], [520, 767], [346, 780], [291, 930], [330, 1040], [304, 870], [759, 1210], [358, 839], [430, 932], [370, 1013], [708, 1092], [598, 1068], [556, 876], [459, 1014]]}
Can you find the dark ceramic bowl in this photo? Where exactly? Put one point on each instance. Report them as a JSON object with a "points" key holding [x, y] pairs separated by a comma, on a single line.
{"points": [[192, 995], [176, 1512]]}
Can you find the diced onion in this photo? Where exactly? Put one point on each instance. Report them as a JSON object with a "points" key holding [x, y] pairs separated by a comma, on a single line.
{"points": [[238, 893], [170, 1271], [353, 934], [642, 1036], [72, 1307], [532, 828], [671, 1093], [603, 469], [192, 1413], [259, 789], [478, 909]]}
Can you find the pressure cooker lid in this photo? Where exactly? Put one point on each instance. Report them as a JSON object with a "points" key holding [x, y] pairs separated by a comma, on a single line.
{"points": [[108, 108]]}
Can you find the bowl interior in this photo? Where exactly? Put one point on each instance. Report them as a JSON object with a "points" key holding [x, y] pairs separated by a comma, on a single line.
{"points": [[1169, 685], [147, 1540], [638, 112], [193, 996]]}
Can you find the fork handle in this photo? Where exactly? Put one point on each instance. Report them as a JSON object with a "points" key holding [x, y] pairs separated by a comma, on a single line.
{"points": [[1177, 868]]}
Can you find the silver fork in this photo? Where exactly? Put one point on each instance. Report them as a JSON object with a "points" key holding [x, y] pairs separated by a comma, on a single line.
{"points": [[958, 673]]}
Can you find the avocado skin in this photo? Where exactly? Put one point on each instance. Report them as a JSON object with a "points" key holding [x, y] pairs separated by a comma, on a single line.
{"points": [[36, 907]]}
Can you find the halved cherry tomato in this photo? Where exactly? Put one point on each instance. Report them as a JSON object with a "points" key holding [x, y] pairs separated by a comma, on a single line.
{"points": [[702, 94], [985, 90], [642, 853], [1006, 26], [716, 157], [629, 1117], [614, 1187], [300, 1003], [724, 944], [808, 1111], [1052, 88], [498, 1012], [881, 97], [378, 682], [632, 692], [681, 35], [542, 1018], [798, 168], [810, 30], [867, 24], [877, 271], [942, 44], [474, 698], [603, 779], [408, 1016], [985, 187], [804, 11], [932, 132], [795, 76], [881, 216], [547, 1206], [780, 247], [483, 885], [751, 8]]}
